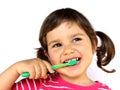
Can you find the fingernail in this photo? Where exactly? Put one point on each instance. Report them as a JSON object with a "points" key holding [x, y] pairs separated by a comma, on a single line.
{"points": [[52, 71], [45, 76]]}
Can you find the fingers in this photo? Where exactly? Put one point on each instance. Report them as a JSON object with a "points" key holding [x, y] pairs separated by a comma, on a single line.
{"points": [[35, 71], [49, 67], [39, 69], [33, 67]]}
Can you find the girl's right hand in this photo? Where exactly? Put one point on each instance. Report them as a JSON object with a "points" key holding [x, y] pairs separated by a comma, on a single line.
{"points": [[36, 67]]}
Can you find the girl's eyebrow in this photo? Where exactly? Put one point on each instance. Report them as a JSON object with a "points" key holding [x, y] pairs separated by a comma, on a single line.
{"points": [[77, 34], [53, 41]]}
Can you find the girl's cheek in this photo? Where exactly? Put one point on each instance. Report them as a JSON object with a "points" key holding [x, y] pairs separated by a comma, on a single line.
{"points": [[52, 57], [55, 56]]}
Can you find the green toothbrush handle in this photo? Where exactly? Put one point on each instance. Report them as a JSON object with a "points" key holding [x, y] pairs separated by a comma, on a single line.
{"points": [[25, 74], [70, 63], [59, 66]]}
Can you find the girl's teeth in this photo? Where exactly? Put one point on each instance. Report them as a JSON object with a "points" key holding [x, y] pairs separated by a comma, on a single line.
{"points": [[70, 60], [78, 59]]}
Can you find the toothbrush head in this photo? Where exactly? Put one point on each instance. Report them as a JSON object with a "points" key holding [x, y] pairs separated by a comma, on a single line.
{"points": [[70, 63]]}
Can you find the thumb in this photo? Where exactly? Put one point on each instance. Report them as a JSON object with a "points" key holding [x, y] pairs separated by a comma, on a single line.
{"points": [[49, 67]]}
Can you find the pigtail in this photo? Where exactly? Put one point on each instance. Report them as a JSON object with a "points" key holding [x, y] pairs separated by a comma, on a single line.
{"points": [[41, 54], [105, 52]]}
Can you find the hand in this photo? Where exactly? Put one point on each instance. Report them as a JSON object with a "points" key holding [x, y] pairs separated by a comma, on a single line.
{"points": [[36, 67]]}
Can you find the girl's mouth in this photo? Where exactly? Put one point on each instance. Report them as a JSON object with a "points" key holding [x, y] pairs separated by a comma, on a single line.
{"points": [[77, 59], [67, 63]]}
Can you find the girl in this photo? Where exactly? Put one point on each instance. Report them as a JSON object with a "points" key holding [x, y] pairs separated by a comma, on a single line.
{"points": [[65, 35]]}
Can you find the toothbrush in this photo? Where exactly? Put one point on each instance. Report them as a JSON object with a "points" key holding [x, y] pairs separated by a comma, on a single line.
{"points": [[70, 63]]}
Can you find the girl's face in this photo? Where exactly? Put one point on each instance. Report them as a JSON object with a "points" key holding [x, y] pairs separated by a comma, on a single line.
{"points": [[69, 41]]}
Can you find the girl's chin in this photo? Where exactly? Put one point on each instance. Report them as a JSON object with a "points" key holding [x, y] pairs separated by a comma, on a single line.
{"points": [[69, 77], [70, 73]]}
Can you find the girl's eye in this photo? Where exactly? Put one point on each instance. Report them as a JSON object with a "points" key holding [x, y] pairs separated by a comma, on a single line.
{"points": [[57, 45], [76, 39]]}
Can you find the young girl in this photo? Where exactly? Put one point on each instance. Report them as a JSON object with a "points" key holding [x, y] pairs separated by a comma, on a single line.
{"points": [[65, 35]]}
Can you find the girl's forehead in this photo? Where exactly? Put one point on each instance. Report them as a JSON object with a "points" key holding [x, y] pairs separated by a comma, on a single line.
{"points": [[65, 30]]}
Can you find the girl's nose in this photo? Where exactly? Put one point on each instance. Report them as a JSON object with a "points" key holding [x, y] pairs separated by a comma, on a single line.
{"points": [[68, 50]]}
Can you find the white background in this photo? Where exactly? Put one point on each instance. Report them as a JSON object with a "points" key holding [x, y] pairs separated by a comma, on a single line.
{"points": [[20, 21]]}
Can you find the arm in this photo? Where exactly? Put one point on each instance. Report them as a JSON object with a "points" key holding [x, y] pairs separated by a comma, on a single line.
{"points": [[36, 67], [8, 78]]}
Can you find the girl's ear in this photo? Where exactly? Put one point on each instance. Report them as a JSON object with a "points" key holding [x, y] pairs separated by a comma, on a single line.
{"points": [[46, 53], [95, 42]]}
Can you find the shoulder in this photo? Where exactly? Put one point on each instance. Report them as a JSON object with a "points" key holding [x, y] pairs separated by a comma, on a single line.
{"points": [[102, 86]]}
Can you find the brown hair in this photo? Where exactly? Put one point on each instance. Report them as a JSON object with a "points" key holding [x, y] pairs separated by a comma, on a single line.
{"points": [[105, 52]]}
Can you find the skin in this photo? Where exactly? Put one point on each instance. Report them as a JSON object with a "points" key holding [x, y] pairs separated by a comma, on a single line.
{"points": [[69, 41]]}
